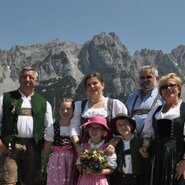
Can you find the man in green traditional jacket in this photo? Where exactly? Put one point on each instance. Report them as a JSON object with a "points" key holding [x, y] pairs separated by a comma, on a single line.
{"points": [[24, 115]]}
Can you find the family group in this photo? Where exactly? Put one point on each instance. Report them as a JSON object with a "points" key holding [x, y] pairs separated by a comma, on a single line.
{"points": [[98, 140]]}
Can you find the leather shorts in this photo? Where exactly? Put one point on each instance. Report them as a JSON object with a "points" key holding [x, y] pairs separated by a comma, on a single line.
{"points": [[23, 163]]}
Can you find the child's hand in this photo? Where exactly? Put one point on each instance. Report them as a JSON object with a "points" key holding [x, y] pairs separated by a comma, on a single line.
{"points": [[79, 149], [79, 168], [109, 150], [88, 171]]}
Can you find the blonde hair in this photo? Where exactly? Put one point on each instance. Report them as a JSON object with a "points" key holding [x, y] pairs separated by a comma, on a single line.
{"points": [[66, 100], [173, 76]]}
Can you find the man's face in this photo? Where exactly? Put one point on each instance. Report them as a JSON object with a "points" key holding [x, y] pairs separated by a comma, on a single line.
{"points": [[147, 80], [28, 80]]}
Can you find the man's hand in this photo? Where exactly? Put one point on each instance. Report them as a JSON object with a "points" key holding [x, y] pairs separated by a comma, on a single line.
{"points": [[144, 152], [3, 148]]}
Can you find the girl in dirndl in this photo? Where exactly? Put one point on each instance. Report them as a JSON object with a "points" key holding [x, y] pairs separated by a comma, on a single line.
{"points": [[61, 168], [97, 129]]}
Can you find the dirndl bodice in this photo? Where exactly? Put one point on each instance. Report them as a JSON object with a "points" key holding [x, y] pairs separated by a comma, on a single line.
{"points": [[166, 150]]}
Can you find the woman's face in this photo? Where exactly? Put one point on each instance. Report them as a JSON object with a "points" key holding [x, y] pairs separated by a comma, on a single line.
{"points": [[170, 89], [94, 87]]}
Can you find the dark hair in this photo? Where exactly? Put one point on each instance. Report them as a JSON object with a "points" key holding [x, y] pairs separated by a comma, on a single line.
{"points": [[95, 74]]}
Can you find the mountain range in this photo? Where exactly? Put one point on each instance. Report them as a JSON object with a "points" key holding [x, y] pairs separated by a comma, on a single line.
{"points": [[63, 65]]}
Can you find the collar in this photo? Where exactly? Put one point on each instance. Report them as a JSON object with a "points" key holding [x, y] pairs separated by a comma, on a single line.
{"points": [[152, 93], [126, 141], [96, 145]]}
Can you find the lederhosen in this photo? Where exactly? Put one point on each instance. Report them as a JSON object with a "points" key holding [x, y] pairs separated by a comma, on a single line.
{"points": [[142, 111], [25, 151], [118, 177]]}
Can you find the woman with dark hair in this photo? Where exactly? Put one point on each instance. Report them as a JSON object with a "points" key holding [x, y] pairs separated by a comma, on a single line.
{"points": [[164, 135], [96, 104]]}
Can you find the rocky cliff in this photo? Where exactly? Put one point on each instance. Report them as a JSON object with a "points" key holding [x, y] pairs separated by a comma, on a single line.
{"points": [[62, 66]]}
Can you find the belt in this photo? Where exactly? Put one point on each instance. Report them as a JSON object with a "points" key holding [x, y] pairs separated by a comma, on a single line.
{"points": [[23, 140], [25, 112], [141, 111], [128, 175]]}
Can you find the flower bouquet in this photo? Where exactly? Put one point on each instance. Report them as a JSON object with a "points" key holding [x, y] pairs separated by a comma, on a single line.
{"points": [[93, 159]]}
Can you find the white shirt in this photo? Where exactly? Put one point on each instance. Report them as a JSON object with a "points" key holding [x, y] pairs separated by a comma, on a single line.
{"points": [[127, 169], [135, 101], [173, 112], [118, 107], [25, 123]]}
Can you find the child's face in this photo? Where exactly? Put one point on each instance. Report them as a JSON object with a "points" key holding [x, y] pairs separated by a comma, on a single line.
{"points": [[96, 131], [66, 110], [123, 127]]}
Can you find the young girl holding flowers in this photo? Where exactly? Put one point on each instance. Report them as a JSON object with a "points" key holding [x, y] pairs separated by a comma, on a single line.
{"points": [[92, 163], [61, 165]]}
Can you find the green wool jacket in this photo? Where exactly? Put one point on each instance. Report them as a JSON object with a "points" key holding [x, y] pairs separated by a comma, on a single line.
{"points": [[12, 102]]}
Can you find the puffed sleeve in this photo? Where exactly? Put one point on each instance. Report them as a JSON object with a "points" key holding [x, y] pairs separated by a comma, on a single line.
{"points": [[118, 107], [48, 120], [75, 121], [112, 161], [49, 133]]}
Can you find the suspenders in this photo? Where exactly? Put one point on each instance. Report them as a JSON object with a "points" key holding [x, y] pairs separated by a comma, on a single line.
{"points": [[142, 111]]}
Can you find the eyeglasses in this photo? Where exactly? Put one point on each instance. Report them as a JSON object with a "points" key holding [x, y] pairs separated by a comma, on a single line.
{"points": [[168, 86], [95, 128], [145, 77]]}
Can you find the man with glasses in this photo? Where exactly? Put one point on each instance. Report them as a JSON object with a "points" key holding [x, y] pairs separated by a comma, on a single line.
{"points": [[140, 102]]}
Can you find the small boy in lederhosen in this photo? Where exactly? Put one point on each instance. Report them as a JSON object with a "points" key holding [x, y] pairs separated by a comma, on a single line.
{"points": [[130, 170]]}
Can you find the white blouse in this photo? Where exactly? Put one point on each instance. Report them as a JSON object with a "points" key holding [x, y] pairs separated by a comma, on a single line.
{"points": [[172, 113], [118, 107], [49, 134]]}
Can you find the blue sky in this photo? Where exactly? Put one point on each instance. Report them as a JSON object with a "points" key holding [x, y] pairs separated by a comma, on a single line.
{"points": [[151, 24]]}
